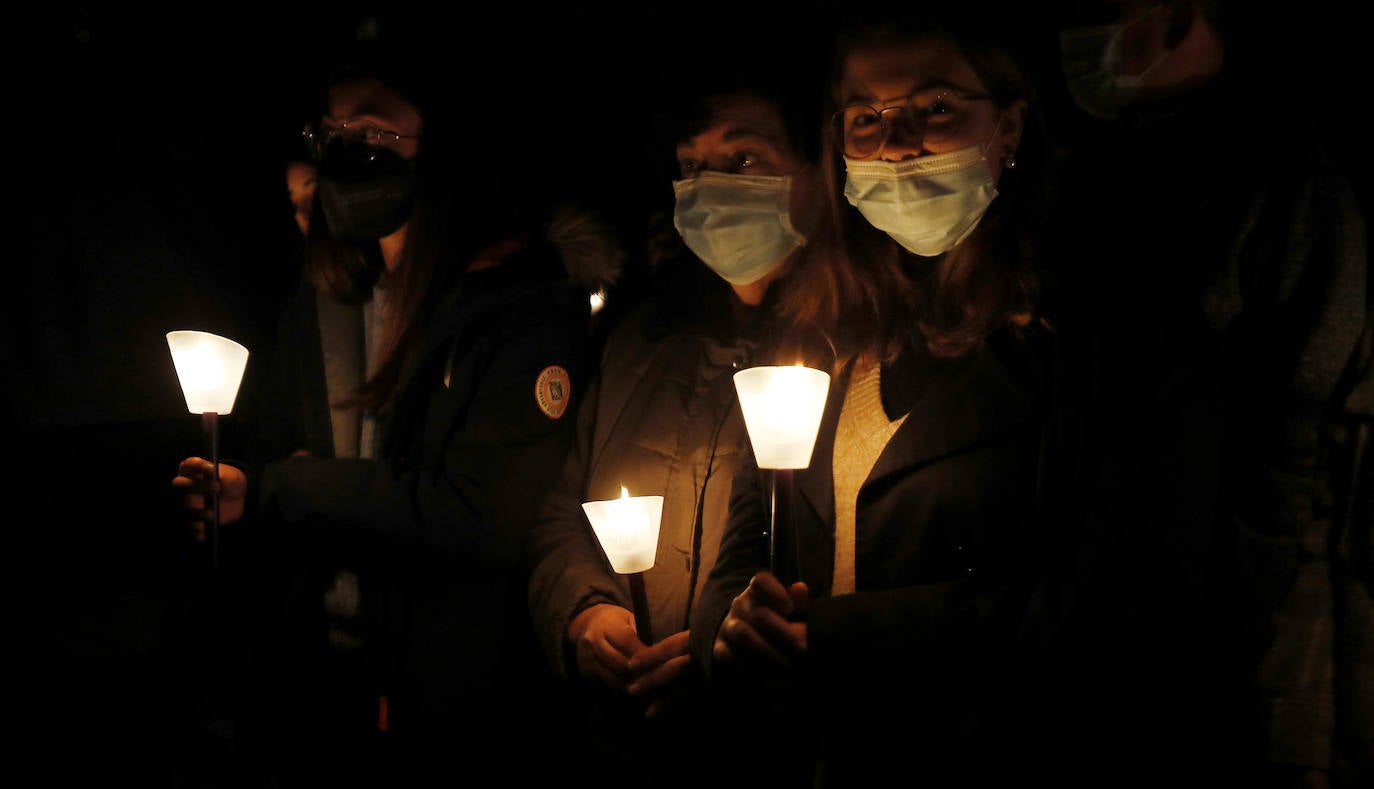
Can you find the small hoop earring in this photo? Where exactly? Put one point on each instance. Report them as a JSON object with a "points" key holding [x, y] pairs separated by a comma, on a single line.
{"points": [[1009, 158]]}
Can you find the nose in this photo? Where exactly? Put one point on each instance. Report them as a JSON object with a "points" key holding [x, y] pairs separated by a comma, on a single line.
{"points": [[903, 138]]}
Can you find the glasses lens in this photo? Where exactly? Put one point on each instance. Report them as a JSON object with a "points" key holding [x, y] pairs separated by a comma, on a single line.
{"points": [[861, 130], [943, 114], [357, 142], [935, 116]]}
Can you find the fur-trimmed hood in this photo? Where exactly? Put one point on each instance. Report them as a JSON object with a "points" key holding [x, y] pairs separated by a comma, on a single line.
{"points": [[587, 244]]}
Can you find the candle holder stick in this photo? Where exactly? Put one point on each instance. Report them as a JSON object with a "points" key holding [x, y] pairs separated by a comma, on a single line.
{"points": [[771, 478], [640, 602], [210, 420], [210, 369], [782, 409]]}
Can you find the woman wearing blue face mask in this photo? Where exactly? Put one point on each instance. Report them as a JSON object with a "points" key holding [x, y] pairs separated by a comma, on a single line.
{"points": [[662, 418]]}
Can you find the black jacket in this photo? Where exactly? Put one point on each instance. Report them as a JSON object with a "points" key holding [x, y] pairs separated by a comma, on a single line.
{"points": [[434, 527]]}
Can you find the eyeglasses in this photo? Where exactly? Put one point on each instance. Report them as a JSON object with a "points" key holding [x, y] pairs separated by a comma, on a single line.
{"points": [[353, 134], [935, 115]]}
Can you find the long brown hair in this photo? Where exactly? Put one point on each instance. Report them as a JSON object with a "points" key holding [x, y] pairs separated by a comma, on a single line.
{"points": [[857, 294]]}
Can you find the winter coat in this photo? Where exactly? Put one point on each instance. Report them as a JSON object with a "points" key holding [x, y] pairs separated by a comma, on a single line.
{"points": [[434, 527], [1269, 246], [660, 418], [901, 676]]}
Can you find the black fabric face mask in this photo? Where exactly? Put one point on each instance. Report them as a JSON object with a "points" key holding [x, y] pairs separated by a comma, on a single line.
{"points": [[366, 193]]}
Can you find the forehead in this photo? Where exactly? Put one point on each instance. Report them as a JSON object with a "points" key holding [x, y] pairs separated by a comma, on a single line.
{"points": [[737, 116], [892, 70], [370, 97]]}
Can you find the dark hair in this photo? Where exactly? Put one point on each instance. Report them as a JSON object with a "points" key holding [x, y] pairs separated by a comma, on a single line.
{"points": [[789, 75], [854, 295]]}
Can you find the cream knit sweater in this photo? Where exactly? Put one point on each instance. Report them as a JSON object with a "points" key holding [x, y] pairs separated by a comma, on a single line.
{"points": [[862, 433]]}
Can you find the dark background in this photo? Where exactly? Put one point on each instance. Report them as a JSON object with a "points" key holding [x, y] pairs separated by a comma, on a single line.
{"points": [[144, 154]]}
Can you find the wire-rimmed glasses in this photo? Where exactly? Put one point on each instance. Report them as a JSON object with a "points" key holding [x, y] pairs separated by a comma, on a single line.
{"points": [[934, 114]]}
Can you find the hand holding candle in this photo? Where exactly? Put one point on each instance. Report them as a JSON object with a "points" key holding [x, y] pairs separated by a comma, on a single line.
{"points": [[210, 369], [627, 529]]}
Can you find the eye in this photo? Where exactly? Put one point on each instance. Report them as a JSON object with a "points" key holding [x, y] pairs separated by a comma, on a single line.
{"points": [[941, 106], [744, 160], [690, 168], [861, 117]]}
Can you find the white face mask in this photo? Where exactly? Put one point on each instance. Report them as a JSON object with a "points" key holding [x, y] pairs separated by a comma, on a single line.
{"points": [[1090, 58], [739, 225], [927, 204]]}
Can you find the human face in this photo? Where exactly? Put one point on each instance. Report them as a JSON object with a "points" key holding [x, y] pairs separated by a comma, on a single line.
{"points": [[747, 135], [1143, 31], [369, 105], [888, 75], [300, 185]]}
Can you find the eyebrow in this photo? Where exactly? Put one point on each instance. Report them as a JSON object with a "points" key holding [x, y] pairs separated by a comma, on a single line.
{"points": [[736, 133], [739, 132], [363, 117], [919, 88]]}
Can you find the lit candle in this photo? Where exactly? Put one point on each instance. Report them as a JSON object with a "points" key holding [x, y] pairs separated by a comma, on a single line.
{"points": [[627, 529], [782, 409]]}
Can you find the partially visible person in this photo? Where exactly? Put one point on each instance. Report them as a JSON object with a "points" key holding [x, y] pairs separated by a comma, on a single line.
{"points": [[140, 212], [300, 188], [429, 366], [662, 417], [882, 643], [1197, 205]]}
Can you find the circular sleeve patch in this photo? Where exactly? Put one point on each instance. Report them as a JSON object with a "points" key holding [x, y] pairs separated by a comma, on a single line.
{"points": [[552, 390]]}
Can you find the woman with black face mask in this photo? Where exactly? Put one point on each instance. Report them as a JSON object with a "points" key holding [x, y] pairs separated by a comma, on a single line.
{"points": [[425, 375]]}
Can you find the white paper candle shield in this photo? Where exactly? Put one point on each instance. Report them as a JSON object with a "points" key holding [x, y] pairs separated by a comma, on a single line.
{"points": [[627, 528], [782, 409], [210, 369]]}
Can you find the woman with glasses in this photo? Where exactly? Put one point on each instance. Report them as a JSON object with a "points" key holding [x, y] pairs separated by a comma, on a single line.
{"points": [[427, 371], [887, 637], [978, 587]]}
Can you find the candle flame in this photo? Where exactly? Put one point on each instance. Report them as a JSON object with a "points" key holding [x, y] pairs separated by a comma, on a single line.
{"points": [[624, 494]]}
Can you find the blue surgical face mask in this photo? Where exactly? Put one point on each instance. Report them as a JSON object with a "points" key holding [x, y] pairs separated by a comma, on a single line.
{"points": [[739, 225], [927, 204], [1090, 58]]}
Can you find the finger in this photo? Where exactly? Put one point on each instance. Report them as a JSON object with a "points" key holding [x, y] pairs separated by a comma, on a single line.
{"points": [[744, 640], [776, 630], [765, 589], [721, 652], [651, 656], [624, 640], [195, 484], [662, 676], [195, 467], [602, 663]]}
